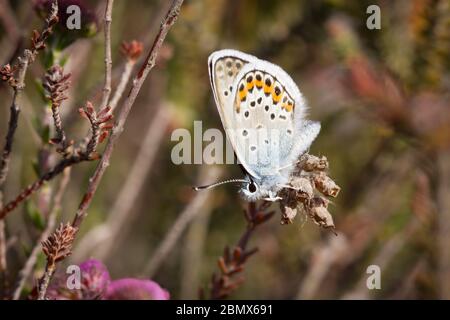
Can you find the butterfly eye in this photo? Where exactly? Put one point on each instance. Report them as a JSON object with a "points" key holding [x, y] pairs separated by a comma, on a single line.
{"points": [[252, 187]]}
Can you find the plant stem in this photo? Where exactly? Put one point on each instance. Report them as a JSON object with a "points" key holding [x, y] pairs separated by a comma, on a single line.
{"points": [[50, 269], [108, 57], [31, 261], [118, 128]]}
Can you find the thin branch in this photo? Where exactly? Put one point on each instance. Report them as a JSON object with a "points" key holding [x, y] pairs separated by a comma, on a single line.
{"points": [[99, 130], [183, 220], [138, 81], [124, 79], [27, 269], [120, 214], [64, 236], [193, 251], [108, 58], [132, 51], [18, 84], [232, 262]]}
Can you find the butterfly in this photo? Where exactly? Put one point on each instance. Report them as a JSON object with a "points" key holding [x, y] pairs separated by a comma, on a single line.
{"points": [[263, 114]]}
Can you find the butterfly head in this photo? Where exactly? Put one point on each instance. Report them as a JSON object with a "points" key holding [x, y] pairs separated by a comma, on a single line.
{"points": [[253, 190]]}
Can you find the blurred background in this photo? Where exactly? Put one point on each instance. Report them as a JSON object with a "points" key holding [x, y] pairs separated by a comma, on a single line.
{"points": [[382, 97]]}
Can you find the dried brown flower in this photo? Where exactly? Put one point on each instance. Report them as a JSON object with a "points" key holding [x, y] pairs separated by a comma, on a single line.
{"points": [[300, 195], [56, 84], [100, 126], [59, 245]]}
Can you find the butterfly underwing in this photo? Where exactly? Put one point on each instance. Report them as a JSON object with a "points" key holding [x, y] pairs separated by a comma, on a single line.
{"points": [[263, 114]]}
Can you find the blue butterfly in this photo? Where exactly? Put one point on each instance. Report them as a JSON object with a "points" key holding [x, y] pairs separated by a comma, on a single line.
{"points": [[263, 114]]}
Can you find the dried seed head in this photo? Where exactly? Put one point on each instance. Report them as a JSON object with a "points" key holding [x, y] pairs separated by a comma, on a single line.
{"points": [[326, 185], [99, 126], [59, 245], [312, 163], [303, 187], [56, 82], [288, 205], [318, 211], [288, 214]]}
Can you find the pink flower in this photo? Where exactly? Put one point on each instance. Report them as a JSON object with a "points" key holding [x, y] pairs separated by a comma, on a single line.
{"points": [[135, 289], [95, 283]]}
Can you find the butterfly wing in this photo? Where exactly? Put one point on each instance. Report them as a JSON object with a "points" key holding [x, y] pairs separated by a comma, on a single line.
{"points": [[262, 111], [224, 67]]}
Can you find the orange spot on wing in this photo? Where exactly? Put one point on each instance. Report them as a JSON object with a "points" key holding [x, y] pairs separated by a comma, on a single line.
{"points": [[259, 83], [250, 85], [243, 94], [268, 89], [276, 98], [288, 106]]}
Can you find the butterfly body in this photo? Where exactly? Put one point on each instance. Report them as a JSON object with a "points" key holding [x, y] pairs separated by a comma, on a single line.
{"points": [[262, 111]]}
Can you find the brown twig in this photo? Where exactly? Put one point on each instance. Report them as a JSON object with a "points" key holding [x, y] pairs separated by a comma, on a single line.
{"points": [[27, 269], [121, 214], [132, 51], [148, 65], [99, 131], [108, 58], [72, 229], [18, 84], [232, 263]]}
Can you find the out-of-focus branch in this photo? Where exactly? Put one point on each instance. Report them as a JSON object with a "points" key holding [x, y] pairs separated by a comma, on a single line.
{"points": [[7, 74], [18, 84], [108, 58], [423, 210], [132, 51], [184, 218], [169, 20], [100, 236], [356, 231], [58, 246], [193, 252], [443, 204], [99, 130], [27, 269]]}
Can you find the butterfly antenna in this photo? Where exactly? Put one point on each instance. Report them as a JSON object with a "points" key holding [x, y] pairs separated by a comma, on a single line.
{"points": [[218, 184]]}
